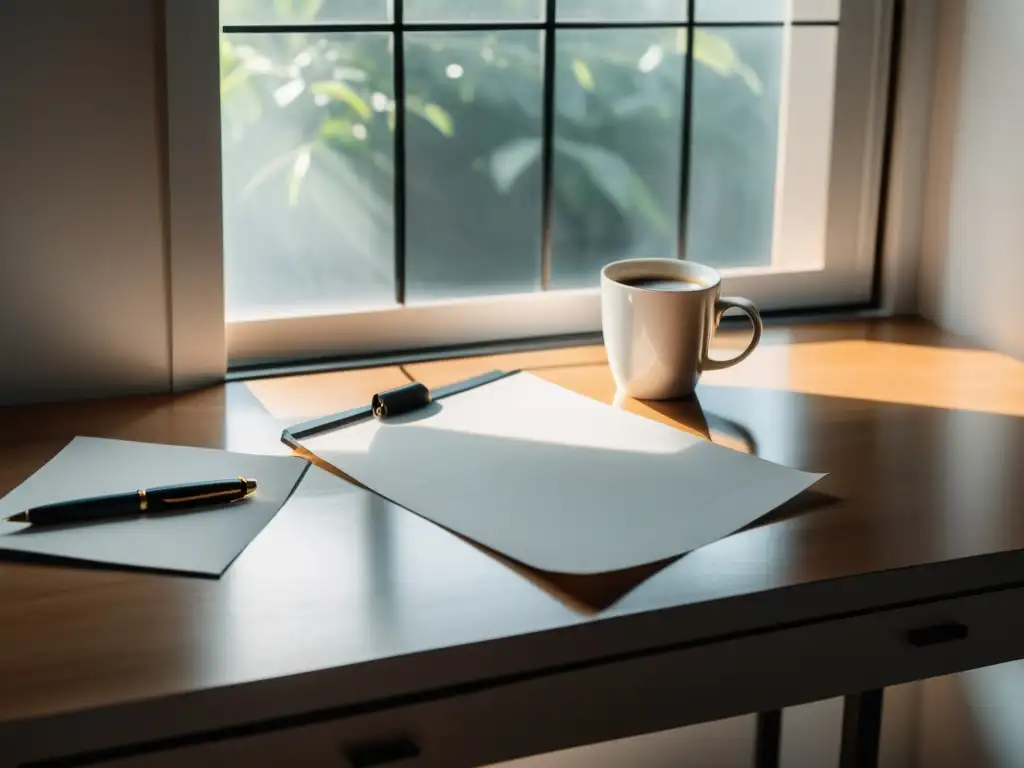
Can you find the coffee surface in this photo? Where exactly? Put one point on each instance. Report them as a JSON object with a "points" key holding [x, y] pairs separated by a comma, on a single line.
{"points": [[664, 283]]}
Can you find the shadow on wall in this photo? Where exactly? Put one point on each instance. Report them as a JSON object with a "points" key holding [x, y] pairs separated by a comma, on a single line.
{"points": [[972, 240]]}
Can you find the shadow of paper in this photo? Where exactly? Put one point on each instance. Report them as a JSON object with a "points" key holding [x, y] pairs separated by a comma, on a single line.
{"points": [[32, 558], [590, 594], [801, 504], [316, 461], [587, 594]]}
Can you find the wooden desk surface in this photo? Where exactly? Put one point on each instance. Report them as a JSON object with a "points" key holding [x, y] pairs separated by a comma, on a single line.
{"points": [[922, 437]]}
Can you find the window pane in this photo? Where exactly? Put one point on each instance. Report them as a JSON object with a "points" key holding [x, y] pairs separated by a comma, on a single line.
{"points": [[253, 12], [473, 10], [801, 217], [767, 10], [621, 10], [473, 127], [618, 139], [735, 144], [308, 166]]}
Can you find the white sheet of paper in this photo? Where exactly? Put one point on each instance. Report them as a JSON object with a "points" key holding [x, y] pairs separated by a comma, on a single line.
{"points": [[558, 481], [200, 541]]}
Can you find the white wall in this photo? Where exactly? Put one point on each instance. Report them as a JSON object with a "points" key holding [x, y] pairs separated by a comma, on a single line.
{"points": [[972, 271], [972, 277], [974, 719], [83, 292]]}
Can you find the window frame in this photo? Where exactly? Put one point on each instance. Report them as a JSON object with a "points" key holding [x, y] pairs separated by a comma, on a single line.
{"points": [[204, 344], [194, 234]]}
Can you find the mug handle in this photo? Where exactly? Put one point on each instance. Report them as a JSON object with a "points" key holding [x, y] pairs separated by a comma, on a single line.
{"points": [[735, 302]]}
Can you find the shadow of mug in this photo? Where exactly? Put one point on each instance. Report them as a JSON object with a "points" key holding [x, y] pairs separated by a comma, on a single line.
{"points": [[688, 415]]}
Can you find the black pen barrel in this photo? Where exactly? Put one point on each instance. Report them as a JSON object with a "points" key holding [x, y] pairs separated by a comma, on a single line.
{"points": [[163, 499], [85, 510], [171, 497]]}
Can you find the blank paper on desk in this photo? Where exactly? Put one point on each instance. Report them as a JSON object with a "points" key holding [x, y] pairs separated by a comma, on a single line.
{"points": [[202, 541], [556, 480]]}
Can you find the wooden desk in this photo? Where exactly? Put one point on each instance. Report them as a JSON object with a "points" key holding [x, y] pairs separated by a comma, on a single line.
{"points": [[350, 620]]}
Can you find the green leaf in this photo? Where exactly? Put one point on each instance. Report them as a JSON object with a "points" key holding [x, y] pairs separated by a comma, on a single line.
{"points": [[338, 91], [615, 179], [510, 162], [241, 111], [609, 172], [336, 128], [583, 74], [227, 54], [717, 54], [232, 73], [277, 164], [383, 162], [298, 174], [645, 204], [439, 119], [752, 80], [232, 80], [298, 10], [432, 113]]}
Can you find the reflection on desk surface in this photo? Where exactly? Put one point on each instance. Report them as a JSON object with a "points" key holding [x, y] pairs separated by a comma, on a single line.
{"points": [[922, 457]]}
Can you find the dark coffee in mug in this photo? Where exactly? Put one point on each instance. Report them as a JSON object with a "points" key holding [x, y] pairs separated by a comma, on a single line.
{"points": [[664, 283]]}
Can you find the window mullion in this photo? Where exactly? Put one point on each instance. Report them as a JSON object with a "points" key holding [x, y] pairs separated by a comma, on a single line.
{"points": [[548, 147], [398, 67], [687, 137]]}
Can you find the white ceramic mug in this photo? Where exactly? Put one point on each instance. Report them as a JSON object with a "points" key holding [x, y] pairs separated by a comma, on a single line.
{"points": [[658, 340]]}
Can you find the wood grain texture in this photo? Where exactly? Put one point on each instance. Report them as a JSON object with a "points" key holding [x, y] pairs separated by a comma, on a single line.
{"points": [[922, 438]]}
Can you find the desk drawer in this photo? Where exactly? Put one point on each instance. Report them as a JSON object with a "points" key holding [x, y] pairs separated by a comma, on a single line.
{"points": [[643, 693]]}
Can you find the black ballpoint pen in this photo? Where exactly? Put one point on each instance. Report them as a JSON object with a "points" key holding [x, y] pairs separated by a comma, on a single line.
{"points": [[166, 498]]}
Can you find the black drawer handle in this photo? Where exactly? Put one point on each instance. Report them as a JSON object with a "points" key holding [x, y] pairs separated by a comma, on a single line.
{"points": [[381, 753], [940, 633]]}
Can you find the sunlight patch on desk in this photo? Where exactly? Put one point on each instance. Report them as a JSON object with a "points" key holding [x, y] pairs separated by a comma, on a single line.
{"points": [[886, 372], [297, 398]]}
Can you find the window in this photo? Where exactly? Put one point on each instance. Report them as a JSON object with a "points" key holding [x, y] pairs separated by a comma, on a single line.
{"points": [[423, 173]]}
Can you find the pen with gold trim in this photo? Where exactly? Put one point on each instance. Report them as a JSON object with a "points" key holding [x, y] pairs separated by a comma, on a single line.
{"points": [[168, 498]]}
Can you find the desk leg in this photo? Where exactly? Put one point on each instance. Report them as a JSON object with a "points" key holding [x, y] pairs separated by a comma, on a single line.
{"points": [[862, 726], [768, 738]]}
